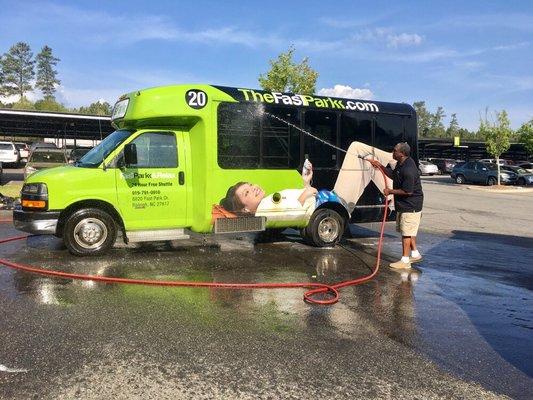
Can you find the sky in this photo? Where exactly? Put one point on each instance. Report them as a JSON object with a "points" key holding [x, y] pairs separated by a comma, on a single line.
{"points": [[462, 55]]}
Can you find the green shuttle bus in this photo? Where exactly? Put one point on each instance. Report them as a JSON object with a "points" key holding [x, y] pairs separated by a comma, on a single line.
{"points": [[178, 149]]}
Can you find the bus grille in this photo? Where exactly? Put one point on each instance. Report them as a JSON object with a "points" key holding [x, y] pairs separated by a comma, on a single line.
{"points": [[240, 224]]}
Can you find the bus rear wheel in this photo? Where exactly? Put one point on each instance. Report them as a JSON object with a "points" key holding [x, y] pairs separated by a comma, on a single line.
{"points": [[325, 228], [89, 231]]}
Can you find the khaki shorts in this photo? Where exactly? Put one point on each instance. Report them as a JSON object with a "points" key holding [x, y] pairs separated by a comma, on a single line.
{"points": [[407, 223]]}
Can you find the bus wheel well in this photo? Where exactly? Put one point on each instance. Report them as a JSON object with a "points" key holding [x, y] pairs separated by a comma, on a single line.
{"points": [[102, 205], [338, 208]]}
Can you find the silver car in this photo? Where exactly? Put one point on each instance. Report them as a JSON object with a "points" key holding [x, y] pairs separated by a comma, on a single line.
{"points": [[427, 168]]}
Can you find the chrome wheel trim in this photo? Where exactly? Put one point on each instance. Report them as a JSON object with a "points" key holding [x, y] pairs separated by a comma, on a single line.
{"points": [[90, 233], [328, 229]]}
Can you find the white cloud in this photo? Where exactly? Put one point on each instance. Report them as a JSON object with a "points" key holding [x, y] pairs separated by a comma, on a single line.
{"points": [[404, 39], [387, 36], [347, 92]]}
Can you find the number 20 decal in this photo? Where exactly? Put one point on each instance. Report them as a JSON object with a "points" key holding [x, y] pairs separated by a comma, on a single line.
{"points": [[196, 99]]}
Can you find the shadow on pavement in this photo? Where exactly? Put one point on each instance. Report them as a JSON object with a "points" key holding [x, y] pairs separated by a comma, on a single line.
{"points": [[489, 277]]}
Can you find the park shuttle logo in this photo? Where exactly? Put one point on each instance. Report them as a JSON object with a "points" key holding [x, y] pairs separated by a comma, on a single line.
{"points": [[307, 101]]}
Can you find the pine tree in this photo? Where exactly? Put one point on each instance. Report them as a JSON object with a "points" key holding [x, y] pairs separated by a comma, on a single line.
{"points": [[453, 129], [2, 89], [17, 67], [46, 74], [423, 118]]}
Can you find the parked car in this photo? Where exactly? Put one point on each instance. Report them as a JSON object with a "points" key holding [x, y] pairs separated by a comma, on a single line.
{"points": [[483, 173], [527, 166], [24, 151], [9, 153], [41, 158], [427, 168], [41, 145], [501, 161], [524, 177], [77, 153], [445, 165]]}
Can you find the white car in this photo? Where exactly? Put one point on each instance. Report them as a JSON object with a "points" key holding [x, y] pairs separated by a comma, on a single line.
{"points": [[427, 168], [9, 153], [24, 151]]}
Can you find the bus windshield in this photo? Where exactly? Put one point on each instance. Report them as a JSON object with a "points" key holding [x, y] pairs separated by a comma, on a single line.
{"points": [[95, 157]]}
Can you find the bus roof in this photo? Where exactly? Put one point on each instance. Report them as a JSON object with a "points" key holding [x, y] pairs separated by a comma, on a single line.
{"points": [[185, 104], [315, 101]]}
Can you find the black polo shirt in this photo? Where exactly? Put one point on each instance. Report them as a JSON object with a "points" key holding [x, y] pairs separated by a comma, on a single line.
{"points": [[407, 177]]}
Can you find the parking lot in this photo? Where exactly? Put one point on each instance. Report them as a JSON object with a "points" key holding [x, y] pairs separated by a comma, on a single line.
{"points": [[457, 326]]}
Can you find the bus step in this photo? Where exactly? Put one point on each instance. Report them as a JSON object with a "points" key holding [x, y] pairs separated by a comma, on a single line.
{"points": [[240, 224], [157, 234]]}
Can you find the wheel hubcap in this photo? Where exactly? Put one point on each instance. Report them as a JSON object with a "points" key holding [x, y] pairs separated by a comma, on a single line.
{"points": [[90, 233], [328, 229]]}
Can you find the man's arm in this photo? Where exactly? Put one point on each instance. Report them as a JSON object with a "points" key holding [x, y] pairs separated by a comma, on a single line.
{"points": [[377, 164], [408, 186]]}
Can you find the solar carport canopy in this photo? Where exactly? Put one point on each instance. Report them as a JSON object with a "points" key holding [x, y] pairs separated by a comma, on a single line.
{"points": [[40, 124]]}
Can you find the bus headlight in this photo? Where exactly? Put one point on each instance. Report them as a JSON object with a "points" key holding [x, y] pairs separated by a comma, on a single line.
{"points": [[34, 196]]}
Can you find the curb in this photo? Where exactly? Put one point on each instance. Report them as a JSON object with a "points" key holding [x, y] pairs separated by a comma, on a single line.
{"points": [[511, 190]]}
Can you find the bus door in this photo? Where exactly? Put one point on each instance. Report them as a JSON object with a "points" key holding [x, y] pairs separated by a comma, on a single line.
{"points": [[151, 194]]}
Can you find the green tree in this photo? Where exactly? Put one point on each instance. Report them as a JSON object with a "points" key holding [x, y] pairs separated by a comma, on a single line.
{"points": [[2, 78], [497, 135], [436, 126], [453, 129], [525, 135], [96, 108], [287, 76], [23, 104], [46, 74], [50, 104], [423, 118], [17, 67]]}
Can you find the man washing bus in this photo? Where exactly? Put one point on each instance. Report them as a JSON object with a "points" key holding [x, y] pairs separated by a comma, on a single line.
{"points": [[408, 201]]}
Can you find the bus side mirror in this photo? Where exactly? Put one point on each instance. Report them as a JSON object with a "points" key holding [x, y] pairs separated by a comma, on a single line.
{"points": [[130, 154]]}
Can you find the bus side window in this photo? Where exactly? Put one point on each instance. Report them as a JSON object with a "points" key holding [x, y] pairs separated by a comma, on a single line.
{"points": [[238, 136], [257, 136], [322, 124], [355, 127], [156, 150], [389, 132], [281, 142]]}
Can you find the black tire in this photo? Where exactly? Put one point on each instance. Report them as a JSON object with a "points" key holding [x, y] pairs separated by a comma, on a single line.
{"points": [[521, 182], [460, 179], [89, 231], [491, 181], [325, 228]]}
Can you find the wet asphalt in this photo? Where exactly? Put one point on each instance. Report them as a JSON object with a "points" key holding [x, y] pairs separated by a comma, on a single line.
{"points": [[458, 326], [443, 330]]}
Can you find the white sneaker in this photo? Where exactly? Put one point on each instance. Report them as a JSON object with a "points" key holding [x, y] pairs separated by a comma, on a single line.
{"points": [[400, 265], [415, 259]]}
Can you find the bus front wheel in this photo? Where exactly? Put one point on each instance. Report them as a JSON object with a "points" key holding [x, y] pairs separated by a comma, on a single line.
{"points": [[325, 228], [89, 231]]}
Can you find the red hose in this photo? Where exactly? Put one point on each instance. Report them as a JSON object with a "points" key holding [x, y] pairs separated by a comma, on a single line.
{"points": [[315, 288]]}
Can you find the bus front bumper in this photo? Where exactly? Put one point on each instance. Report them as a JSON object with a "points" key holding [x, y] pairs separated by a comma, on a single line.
{"points": [[36, 222]]}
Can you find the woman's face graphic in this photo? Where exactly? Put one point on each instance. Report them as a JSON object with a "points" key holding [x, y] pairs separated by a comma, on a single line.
{"points": [[250, 196]]}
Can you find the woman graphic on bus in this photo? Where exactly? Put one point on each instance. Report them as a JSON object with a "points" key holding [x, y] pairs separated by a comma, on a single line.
{"points": [[354, 176], [285, 205]]}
